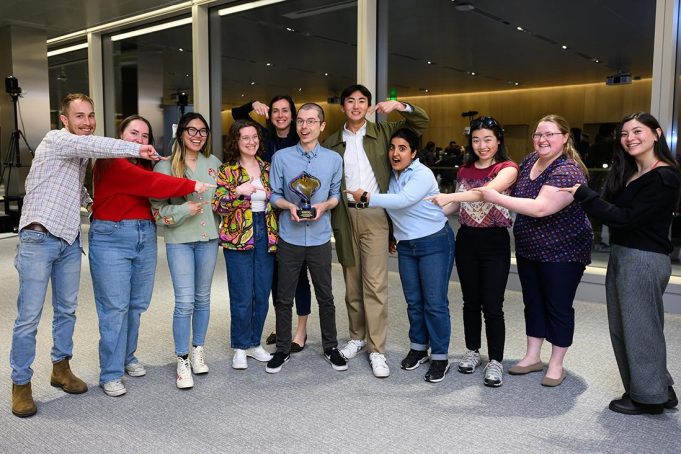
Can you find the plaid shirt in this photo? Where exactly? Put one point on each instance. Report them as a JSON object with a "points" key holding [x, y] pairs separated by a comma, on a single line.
{"points": [[54, 186]]}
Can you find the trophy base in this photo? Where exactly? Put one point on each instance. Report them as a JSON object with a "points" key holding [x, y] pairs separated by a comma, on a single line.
{"points": [[307, 213]]}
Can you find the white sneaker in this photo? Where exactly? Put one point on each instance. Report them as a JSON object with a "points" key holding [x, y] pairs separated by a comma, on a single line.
{"points": [[239, 361], [353, 347], [199, 365], [114, 388], [184, 374], [471, 360], [135, 370], [259, 354], [378, 365]]}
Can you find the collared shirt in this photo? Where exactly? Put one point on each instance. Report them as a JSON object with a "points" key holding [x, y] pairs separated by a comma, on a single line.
{"points": [[412, 216], [287, 165], [54, 186], [358, 171]]}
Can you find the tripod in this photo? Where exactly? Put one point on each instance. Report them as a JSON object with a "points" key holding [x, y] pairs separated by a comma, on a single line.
{"points": [[13, 160]]}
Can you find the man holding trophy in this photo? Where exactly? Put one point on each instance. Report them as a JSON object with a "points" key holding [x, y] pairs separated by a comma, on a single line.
{"points": [[306, 182]]}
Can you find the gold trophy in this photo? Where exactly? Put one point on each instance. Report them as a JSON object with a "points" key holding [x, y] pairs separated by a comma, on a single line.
{"points": [[304, 186]]}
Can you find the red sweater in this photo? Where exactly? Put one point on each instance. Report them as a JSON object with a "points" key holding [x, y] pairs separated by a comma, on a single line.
{"points": [[122, 189]]}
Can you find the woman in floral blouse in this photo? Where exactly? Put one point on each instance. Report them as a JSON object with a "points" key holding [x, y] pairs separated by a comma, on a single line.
{"points": [[249, 237]]}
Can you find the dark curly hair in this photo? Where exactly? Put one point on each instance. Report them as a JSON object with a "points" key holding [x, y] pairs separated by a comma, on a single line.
{"points": [[231, 145]]}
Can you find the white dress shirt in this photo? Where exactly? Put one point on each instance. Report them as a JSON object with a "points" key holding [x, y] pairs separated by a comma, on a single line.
{"points": [[358, 171]]}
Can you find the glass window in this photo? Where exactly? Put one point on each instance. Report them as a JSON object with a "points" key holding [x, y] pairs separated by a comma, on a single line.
{"points": [[460, 60], [68, 73], [301, 48], [151, 71]]}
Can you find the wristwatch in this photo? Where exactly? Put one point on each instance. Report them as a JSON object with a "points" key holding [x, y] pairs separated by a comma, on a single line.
{"points": [[363, 201]]}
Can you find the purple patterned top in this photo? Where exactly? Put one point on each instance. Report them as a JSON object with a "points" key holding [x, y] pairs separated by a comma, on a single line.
{"points": [[565, 236]]}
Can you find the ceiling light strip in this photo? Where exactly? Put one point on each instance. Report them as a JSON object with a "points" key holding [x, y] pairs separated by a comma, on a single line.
{"points": [[152, 29], [64, 50], [246, 7], [180, 7]]}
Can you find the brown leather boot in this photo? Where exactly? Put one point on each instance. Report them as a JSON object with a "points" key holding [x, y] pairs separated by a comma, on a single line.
{"points": [[63, 378], [22, 400]]}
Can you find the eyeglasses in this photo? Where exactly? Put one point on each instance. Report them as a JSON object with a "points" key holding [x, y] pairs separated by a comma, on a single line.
{"points": [[485, 122], [249, 139], [308, 122], [546, 135], [191, 132]]}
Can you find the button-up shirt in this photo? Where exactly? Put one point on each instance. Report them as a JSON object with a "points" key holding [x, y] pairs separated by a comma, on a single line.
{"points": [[54, 186], [412, 216], [287, 165], [358, 171]]}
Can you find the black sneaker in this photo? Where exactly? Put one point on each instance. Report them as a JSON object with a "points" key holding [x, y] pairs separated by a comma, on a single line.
{"points": [[333, 356], [277, 362], [438, 370], [414, 359]]}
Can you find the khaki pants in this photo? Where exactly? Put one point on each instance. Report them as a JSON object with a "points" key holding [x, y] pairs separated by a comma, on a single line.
{"points": [[366, 283]]}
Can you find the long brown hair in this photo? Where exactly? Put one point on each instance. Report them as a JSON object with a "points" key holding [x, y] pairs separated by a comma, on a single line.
{"points": [[177, 165], [569, 149]]}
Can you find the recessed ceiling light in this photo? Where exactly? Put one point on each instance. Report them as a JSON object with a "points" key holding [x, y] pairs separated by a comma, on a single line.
{"points": [[473, 73], [516, 83], [186, 75], [464, 6], [253, 83], [429, 62], [181, 49], [300, 90], [326, 74], [520, 29], [268, 64], [289, 29], [595, 60], [242, 95], [564, 47]]}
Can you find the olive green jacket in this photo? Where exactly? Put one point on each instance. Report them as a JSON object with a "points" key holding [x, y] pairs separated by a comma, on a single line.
{"points": [[376, 143]]}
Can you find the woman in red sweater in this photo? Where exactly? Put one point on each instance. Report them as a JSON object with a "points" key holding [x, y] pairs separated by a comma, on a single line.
{"points": [[122, 249]]}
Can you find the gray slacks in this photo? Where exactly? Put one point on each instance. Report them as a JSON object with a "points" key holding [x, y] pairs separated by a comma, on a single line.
{"points": [[634, 283]]}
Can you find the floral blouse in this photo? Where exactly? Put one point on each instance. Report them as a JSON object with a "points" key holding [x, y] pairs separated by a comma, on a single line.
{"points": [[236, 230]]}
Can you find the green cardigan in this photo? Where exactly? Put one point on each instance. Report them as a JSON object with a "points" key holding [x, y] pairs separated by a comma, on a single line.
{"points": [[173, 214], [376, 143]]}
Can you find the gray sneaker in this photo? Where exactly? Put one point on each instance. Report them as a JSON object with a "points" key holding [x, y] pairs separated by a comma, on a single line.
{"points": [[470, 361], [135, 370], [494, 372], [114, 388]]}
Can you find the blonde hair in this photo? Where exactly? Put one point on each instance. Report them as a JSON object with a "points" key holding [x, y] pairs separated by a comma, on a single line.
{"points": [[569, 149], [177, 165]]}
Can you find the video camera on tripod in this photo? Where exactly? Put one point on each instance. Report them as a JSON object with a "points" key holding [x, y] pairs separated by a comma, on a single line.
{"points": [[13, 197]]}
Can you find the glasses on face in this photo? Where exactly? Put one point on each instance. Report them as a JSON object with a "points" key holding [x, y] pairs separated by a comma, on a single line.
{"points": [[191, 132], [249, 139], [485, 122], [546, 135], [309, 122]]}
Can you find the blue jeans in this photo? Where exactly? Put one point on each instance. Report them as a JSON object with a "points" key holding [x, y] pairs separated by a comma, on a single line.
{"points": [[191, 268], [249, 278], [123, 266], [425, 266], [41, 257]]}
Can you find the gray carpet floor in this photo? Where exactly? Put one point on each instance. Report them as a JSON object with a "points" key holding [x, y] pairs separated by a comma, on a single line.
{"points": [[309, 407]]}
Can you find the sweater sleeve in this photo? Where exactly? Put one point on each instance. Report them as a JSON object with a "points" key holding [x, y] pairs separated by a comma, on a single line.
{"points": [[243, 112], [411, 193], [166, 213], [135, 180], [653, 200]]}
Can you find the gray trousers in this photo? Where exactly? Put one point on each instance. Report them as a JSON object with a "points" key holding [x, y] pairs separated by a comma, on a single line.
{"points": [[290, 260], [634, 285]]}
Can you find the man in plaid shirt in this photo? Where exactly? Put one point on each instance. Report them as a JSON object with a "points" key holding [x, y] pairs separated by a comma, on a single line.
{"points": [[50, 246]]}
